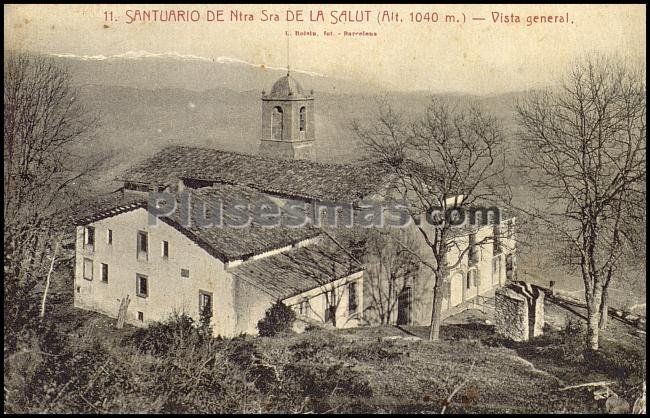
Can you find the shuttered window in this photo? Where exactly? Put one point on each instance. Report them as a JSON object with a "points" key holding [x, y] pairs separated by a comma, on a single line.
{"points": [[352, 298], [88, 269]]}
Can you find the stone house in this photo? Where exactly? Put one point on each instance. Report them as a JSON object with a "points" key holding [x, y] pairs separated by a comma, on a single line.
{"points": [[235, 274]]}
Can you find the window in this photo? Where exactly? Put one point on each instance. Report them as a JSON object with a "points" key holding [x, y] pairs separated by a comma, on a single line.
{"points": [[104, 273], [511, 228], [352, 298], [511, 266], [142, 285], [205, 303], [472, 278], [165, 249], [109, 237], [472, 253], [140, 316], [303, 119], [496, 239], [143, 245], [330, 304], [185, 273], [88, 269], [89, 237], [276, 123], [302, 307]]}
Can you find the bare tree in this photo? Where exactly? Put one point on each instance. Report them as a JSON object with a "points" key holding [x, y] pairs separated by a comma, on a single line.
{"points": [[584, 153], [45, 124], [451, 158], [391, 270]]}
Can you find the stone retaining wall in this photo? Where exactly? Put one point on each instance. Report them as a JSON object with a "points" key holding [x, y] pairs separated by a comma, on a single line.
{"points": [[519, 311]]}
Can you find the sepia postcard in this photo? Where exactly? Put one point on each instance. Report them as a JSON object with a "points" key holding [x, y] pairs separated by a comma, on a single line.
{"points": [[322, 208]]}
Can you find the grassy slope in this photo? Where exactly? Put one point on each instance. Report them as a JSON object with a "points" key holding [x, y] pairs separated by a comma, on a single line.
{"points": [[355, 370], [410, 377]]}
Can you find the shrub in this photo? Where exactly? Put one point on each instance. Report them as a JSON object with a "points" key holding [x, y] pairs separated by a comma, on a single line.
{"points": [[163, 337], [315, 346], [279, 318]]}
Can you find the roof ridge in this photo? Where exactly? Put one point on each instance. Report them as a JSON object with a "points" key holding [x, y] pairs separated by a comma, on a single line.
{"points": [[303, 179], [257, 157]]}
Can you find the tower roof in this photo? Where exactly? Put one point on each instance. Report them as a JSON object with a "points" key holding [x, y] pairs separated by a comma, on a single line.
{"points": [[286, 87]]}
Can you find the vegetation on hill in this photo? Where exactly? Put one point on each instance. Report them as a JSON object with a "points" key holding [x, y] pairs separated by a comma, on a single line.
{"points": [[76, 361]]}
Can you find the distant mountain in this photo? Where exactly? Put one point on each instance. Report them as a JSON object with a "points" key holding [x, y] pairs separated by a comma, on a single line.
{"points": [[146, 70], [150, 100], [138, 122]]}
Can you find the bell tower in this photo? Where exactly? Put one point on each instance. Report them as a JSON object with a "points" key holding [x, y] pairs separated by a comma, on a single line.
{"points": [[287, 121]]}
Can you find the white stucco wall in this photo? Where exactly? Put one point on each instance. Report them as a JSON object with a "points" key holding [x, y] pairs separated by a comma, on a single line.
{"points": [[489, 277], [317, 301], [252, 303], [237, 304], [458, 275], [168, 291]]}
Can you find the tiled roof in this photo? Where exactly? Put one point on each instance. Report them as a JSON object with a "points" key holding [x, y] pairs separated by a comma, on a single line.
{"points": [[105, 206], [290, 178], [236, 243], [286, 87], [290, 273], [226, 243]]}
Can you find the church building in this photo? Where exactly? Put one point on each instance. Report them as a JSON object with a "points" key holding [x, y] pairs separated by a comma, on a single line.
{"points": [[235, 274]]}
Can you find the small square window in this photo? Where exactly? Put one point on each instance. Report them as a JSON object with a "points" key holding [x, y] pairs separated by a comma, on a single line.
{"points": [[165, 249], [78, 289], [140, 316], [104, 273], [109, 237], [185, 273], [142, 285]]}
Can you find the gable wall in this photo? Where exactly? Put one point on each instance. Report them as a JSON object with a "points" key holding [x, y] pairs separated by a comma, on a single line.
{"points": [[168, 291]]}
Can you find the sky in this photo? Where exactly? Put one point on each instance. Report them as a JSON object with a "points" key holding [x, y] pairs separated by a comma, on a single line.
{"points": [[443, 54]]}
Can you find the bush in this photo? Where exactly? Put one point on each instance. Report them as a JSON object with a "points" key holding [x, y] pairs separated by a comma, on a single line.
{"points": [[315, 346], [279, 318], [163, 337]]}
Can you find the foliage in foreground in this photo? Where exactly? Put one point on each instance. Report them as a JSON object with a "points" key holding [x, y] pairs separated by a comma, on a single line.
{"points": [[279, 318], [174, 366]]}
